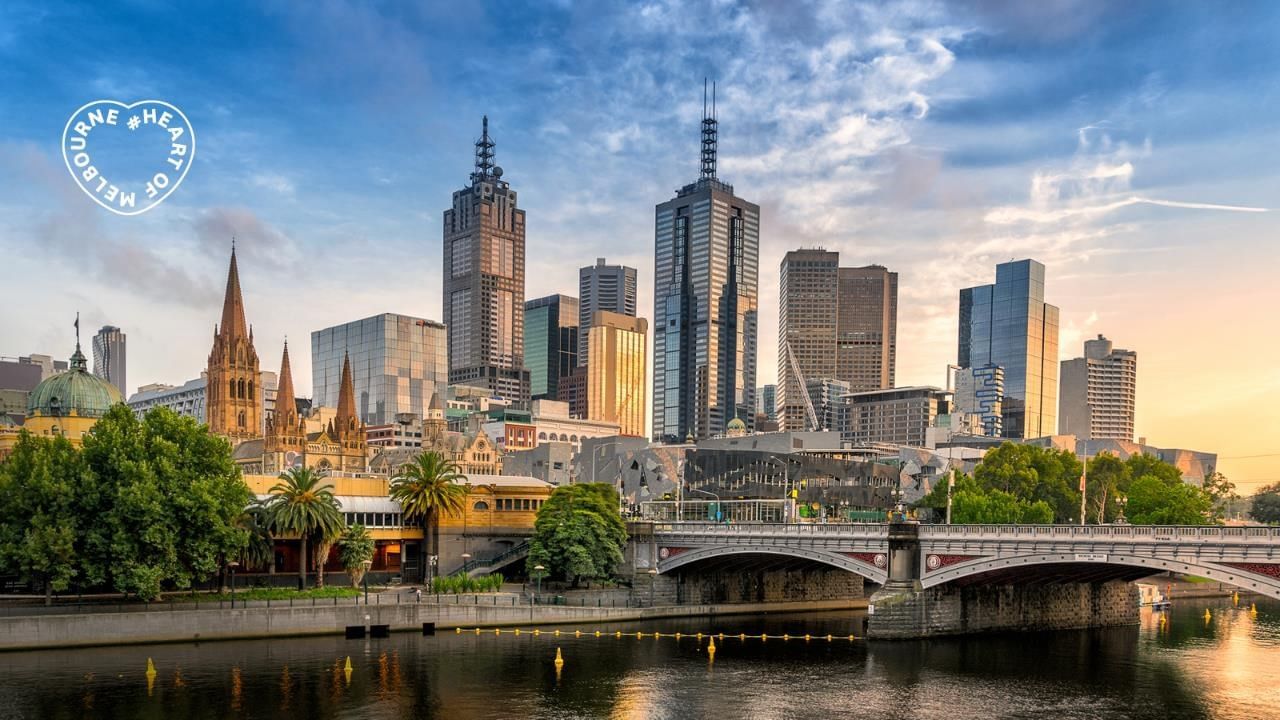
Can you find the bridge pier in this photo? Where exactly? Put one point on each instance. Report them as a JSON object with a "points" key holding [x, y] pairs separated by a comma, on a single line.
{"points": [[902, 609]]}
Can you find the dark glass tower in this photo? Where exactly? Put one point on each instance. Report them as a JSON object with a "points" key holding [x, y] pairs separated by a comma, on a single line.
{"points": [[550, 343]]}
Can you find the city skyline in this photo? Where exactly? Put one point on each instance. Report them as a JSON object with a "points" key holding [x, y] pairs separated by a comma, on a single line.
{"points": [[930, 163]]}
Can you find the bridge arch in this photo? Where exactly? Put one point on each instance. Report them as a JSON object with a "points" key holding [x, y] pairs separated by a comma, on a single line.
{"points": [[993, 566], [826, 557]]}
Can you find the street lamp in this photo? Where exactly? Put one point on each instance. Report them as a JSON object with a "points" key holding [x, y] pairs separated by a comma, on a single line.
{"points": [[466, 560], [232, 567], [719, 502], [538, 570], [367, 564], [1121, 501], [653, 576]]}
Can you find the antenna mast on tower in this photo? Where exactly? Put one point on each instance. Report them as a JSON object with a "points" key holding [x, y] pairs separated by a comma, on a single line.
{"points": [[709, 133], [484, 155]]}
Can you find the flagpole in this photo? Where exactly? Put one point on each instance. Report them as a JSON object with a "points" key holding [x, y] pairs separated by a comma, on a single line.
{"points": [[1084, 477]]}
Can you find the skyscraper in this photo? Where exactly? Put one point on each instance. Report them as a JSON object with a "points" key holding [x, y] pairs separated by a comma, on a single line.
{"points": [[611, 288], [834, 324], [550, 343], [807, 322], [616, 366], [233, 403], [1009, 325], [706, 271], [1099, 392], [867, 327], [397, 361], [109, 357], [484, 281]]}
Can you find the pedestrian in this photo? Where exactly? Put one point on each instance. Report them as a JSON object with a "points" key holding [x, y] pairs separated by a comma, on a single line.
{"points": [[417, 594]]}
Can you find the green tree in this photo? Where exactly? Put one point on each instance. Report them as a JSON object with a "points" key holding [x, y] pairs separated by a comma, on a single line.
{"points": [[1221, 491], [1154, 501], [1033, 473], [973, 505], [259, 547], [39, 525], [302, 504], [164, 504], [579, 533], [1265, 507], [1108, 480], [1144, 464], [427, 489], [355, 548]]}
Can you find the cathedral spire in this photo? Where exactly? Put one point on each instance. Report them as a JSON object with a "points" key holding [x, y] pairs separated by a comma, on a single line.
{"points": [[233, 323], [286, 402], [346, 416]]}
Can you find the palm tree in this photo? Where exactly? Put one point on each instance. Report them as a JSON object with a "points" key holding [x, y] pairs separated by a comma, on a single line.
{"points": [[258, 552], [303, 504], [355, 547], [428, 489]]}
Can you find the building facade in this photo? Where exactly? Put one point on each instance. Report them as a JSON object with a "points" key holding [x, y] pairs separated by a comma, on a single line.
{"points": [[807, 313], [867, 327], [109, 357], [611, 288], [187, 399], [767, 402], [484, 281], [706, 276], [896, 416], [1008, 324], [66, 404], [980, 394], [398, 362], [1099, 393], [233, 402], [617, 371], [550, 343]]}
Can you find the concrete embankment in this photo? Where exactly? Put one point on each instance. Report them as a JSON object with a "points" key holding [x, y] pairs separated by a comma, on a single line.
{"points": [[135, 628]]}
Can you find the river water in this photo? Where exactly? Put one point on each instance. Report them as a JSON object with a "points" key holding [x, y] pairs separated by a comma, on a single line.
{"points": [[1183, 667]]}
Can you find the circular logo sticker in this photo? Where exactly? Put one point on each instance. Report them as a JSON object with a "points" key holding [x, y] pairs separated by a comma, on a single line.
{"points": [[880, 560], [933, 561]]}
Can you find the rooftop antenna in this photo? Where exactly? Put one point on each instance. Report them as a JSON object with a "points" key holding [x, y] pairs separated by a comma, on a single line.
{"points": [[709, 133], [484, 155]]}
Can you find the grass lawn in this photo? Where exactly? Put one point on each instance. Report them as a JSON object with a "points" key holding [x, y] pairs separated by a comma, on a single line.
{"points": [[268, 594]]}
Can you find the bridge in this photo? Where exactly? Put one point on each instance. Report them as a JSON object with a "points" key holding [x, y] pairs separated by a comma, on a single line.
{"points": [[927, 567]]}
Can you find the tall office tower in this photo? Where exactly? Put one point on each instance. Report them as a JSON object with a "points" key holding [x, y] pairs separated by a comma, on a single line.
{"points": [[867, 327], [611, 288], [234, 401], [397, 362], [767, 404], [980, 393], [484, 281], [1009, 324], [1098, 393], [706, 277], [550, 343], [807, 320], [617, 374], [108, 357]]}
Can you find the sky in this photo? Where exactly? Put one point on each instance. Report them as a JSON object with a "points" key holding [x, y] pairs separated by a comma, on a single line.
{"points": [[1130, 147]]}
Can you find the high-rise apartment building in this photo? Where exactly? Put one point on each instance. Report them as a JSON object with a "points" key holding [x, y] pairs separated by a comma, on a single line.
{"points": [[1008, 324], [867, 327], [1099, 393], [706, 277], [397, 364], [611, 288], [109, 357], [807, 319], [617, 365], [484, 281], [834, 323], [896, 416], [550, 343]]}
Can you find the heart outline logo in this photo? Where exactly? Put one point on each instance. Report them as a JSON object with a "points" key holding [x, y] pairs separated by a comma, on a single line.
{"points": [[154, 186]]}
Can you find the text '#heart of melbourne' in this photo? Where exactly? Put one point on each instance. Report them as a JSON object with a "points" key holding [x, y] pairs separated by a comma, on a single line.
{"points": [[128, 158]]}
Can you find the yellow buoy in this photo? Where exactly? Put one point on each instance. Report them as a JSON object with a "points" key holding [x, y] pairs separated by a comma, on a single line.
{"points": [[699, 636], [1235, 598], [517, 631], [828, 638], [711, 651], [656, 635], [639, 635], [347, 666], [477, 631], [497, 631], [597, 633], [743, 636], [618, 634], [850, 638], [559, 659], [806, 637], [557, 633], [457, 631], [536, 631], [151, 667], [577, 633], [786, 637]]}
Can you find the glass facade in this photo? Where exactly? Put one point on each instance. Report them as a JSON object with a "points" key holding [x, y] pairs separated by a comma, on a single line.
{"points": [[611, 288], [1010, 325], [397, 363], [617, 371], [550, 343]]}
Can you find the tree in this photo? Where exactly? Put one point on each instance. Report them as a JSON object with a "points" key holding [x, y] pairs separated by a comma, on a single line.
{"points": [[579, 533], [163, 506], [302, 504], [973, 505], [1265, 507], [1154, 501], [39, 526], [355, 548], [1108, 480], [259, 548], [1033, 473], [1221, 491], [428, 489]]}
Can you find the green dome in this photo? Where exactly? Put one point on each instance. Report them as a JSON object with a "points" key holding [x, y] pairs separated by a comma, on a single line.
{"points": [[737, 424], [74, 391]]}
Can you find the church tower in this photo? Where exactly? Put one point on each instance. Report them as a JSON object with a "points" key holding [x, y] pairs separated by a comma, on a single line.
{"points": [[286, 432], [233, 402], [346, 429]]}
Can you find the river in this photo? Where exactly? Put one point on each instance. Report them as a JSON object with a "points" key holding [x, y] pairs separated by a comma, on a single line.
{"points": [[1184, 667]]}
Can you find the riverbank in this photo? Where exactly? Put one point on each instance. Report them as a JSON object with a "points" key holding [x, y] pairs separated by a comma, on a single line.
{"points": [[40, 632]]}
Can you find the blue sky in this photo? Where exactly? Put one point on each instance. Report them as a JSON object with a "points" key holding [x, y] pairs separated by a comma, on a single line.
{"points": [[934, 138]]}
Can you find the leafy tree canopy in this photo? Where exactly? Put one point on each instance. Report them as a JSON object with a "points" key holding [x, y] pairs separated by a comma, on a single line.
{"points": [[1265, 507], [355, 548], [579, 533]]}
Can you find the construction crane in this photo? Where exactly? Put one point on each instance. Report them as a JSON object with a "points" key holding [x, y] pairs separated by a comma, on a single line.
{"points": [[804, 387]]}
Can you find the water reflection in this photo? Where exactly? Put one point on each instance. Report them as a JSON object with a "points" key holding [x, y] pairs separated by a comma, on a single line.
{"points": [[1172, 666]]}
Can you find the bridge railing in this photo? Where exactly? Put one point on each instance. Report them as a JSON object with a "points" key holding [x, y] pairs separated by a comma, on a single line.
{"points": [[867, 530], [732, 511], [1155, 533]]}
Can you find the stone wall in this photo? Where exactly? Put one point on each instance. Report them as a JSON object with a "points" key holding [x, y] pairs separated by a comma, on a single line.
{"points": [[896, 613], [705, 587]]}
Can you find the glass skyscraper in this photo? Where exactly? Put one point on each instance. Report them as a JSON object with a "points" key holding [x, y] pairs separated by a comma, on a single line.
{"points": [[109, 357], [1009, 325], [706, 277], [550, 343], [397, 363], [601, 287]]}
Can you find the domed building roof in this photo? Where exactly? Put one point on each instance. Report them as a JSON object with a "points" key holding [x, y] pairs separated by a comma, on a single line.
{"points": [[737, 424], [74, 392]]}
